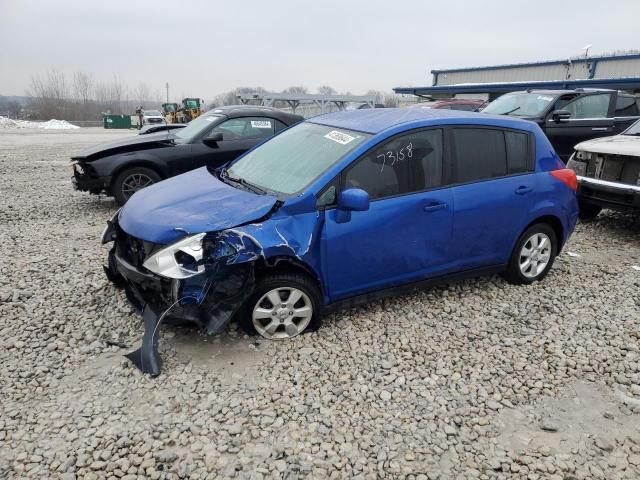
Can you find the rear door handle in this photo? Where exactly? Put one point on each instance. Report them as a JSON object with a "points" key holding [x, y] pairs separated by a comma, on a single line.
{"points": [[434, 207], [522, 190], [600, 129]]}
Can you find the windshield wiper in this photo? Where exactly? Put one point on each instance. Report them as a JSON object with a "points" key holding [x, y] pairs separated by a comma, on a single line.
{"points": [[224, 176], [510, 111]]}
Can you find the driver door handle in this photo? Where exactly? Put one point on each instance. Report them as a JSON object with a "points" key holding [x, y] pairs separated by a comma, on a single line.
{"points": [[523, 190], [434, 207]]}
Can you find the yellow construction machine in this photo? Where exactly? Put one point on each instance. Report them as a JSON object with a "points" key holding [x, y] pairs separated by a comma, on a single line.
{"points": [[169, 112], [191, 108]]}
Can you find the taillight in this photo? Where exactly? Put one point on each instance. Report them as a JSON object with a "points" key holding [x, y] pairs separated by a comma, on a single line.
{"points": [[566, 176]]}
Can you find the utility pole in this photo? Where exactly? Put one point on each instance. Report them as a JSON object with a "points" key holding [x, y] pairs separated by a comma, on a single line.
{"points": [[167, 86]]}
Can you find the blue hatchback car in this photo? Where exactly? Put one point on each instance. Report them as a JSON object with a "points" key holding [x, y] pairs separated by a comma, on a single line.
{"points": [[340, 209]]}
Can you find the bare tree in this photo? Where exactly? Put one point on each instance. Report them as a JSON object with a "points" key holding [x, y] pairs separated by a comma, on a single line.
{"points": [[116, 91], [296, 90], [142, 94], [326, 90], [49, 95], [390, 100], [379, 96], [82, 93]]}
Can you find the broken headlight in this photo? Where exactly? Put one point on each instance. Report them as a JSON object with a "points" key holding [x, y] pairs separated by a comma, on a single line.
{"points": [[578, 163], [182, 259]]}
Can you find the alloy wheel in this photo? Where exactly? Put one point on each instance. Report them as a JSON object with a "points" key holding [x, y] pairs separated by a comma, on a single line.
{"points": [[535, 255], [135, 182], [282, 313]]}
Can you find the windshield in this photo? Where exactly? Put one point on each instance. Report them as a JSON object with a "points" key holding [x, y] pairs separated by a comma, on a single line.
{"points": [[520, 104], [292, 160], [195, 127], [152, 112], [633, 129]]}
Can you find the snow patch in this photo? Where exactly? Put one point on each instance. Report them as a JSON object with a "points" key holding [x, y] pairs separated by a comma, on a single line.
{"points": [[50, 124]]}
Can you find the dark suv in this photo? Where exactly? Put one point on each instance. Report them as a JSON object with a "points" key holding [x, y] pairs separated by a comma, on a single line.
{"points": [[569, 117]]}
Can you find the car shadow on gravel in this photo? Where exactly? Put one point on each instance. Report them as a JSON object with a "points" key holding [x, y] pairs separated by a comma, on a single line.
{"points": [[623, 223]]}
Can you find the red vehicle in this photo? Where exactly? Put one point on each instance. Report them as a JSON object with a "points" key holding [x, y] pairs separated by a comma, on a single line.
{"points": [[469, 105]]}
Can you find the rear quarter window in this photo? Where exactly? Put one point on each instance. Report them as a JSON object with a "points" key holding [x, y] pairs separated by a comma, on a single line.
{"points": [[518, 152]]}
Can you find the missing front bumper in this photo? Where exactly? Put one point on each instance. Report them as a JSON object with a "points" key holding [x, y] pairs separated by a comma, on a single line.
{"points": [[209, 299]]}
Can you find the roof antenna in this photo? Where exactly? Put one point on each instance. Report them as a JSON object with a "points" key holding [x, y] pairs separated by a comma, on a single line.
{"points": [[586, 49]]}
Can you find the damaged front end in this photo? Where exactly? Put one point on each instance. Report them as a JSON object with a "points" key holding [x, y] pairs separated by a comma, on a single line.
{"points": [[203, 278], [608, 180], [86, 179]]}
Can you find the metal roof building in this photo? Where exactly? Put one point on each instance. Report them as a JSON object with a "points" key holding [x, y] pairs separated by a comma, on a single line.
{"points": [[621, 72]]}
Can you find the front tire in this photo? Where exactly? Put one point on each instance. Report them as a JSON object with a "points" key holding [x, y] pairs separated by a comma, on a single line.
{"points": [[131, 180], [533, 255], [588, 211], [282, 306]]}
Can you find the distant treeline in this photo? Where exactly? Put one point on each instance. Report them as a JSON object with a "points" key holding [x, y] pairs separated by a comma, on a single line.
{"points": [[81, 97]]}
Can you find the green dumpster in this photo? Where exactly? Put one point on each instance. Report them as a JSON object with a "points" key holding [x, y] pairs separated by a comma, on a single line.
{"points": [[117, 121]]}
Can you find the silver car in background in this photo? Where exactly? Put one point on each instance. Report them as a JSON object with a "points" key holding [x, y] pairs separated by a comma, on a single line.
{"points": [[608, 171]]}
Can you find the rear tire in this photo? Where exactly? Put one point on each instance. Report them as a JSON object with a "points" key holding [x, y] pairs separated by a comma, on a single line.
{"points": [[131, 180], [294, 309], [533, 255], [588, 211]]}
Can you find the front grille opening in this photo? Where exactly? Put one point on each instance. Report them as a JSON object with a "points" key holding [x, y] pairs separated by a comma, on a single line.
{"points": [[615, 168]]}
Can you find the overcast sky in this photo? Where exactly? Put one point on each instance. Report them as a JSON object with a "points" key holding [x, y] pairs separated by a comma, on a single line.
{"points": [[206, 47]]}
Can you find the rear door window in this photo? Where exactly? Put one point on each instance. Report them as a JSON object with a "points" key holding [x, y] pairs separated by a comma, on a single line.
{"points": [[407, 163], [245, 128], [626, 106], [479, 154], [589, 106], [485, 153]]}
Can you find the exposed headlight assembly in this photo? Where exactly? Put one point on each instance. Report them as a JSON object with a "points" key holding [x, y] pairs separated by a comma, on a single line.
{"points": [[109, 232], [181, 259]]}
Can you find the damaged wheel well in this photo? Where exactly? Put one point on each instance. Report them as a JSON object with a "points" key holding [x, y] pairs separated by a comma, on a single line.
{"points": [[553, 222], [135, 164], [287, 265]]}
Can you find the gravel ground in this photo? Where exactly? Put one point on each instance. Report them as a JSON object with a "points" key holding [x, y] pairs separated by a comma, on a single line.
{"points": [[478, 379]]}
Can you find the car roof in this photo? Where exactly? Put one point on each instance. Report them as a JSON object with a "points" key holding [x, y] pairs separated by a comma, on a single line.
{"points": [[234, 111], [460, 100], [562, 92], [378, 119]]}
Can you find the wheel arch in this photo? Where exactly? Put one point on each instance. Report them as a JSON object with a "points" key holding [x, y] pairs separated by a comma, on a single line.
{"points": [[286, 264], [555, 223], [139, 162]]}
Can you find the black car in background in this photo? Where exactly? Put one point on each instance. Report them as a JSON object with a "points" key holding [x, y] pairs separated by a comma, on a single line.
{"points": [[125, 166], [163, 127], [569, 117]]}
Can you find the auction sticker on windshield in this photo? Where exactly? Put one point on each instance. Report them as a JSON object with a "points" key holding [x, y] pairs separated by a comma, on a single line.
{"points": [[545, 98], [339, 137], [260, 124]]}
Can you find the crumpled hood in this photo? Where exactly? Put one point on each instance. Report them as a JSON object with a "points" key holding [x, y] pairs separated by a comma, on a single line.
{"points": [[129, 144], [194, 202], [616, 145]]}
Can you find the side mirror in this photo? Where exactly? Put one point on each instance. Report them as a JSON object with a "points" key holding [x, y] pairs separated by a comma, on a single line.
{"points": [[213, 139], [351, 200], [560, 115]]}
